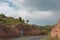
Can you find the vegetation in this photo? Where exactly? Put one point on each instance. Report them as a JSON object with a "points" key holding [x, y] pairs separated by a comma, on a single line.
{"points": [[13, 21], [10, 20], [27, 21], [49, 38], [47, 28]]}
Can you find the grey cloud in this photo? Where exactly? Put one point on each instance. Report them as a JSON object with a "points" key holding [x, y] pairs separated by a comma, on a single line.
{"points": [[56, 15], [42, 5]]}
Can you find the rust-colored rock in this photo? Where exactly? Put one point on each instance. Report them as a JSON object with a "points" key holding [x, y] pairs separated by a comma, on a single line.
{"points": [[56, 31], [6, 31], [28, 30]]}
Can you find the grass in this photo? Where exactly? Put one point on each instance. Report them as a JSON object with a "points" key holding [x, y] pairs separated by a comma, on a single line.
{"points": [[49, 38]]}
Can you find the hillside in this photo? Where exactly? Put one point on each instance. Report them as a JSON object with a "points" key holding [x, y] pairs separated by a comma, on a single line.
{"points": [[8, 31], [16, 27]]}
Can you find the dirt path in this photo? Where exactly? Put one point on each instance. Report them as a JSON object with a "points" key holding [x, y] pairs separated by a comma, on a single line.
{"points": [[28, 38]]}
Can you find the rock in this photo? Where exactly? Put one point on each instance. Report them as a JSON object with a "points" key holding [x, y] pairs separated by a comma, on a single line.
{"points": [[6, 31], [56, 31], [27, 30]]}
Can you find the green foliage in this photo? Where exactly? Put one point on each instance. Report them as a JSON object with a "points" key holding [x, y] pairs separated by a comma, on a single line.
{"points": [[23, 21], [20, 19], [10, 20], [47, 28], [2, 16], [27, 21]]}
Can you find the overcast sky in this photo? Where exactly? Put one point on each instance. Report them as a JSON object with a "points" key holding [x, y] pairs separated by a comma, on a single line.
{"points": [[41, 12]]}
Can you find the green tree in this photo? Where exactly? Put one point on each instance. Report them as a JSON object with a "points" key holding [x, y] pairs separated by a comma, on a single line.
{"points": [[27, 21], [23, 21], [20, 19], [2, 16]]}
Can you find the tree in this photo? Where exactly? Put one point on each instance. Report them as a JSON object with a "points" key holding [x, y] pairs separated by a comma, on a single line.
{"points": [[2, 16], [23, 21], [11, 18], [20, 19], [27, 21]]}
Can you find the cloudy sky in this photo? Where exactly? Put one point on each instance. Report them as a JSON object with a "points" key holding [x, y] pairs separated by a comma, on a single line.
{"points": [[40, 12]]}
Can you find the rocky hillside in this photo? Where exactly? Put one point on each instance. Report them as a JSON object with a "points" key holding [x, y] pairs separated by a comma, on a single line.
{"points": [[13, 27], [19, 30], [8, 31], [56, 31], [28, 30]]}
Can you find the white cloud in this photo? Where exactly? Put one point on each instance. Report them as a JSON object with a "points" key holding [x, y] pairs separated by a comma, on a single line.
{"points": [[9, 11], [32, 15], [22, 13], [21, 1], [57, 15], [17, 2], [41, 14], [4, 8]]}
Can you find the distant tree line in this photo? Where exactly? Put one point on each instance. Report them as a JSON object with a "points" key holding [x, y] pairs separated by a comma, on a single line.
{"points": [[11, 20]]}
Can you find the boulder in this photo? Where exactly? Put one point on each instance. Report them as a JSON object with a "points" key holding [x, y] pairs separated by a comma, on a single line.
{"points": [[56, 31], [6, 31], [28, 30]]}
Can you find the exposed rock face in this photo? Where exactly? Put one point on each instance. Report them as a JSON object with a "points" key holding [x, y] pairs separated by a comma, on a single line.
{"points": [[56, 31], [28, 30], [6, 31]]}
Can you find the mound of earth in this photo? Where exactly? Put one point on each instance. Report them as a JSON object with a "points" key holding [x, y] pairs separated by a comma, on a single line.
{"points": [[8, 31], [27, 30], [56, 31]]}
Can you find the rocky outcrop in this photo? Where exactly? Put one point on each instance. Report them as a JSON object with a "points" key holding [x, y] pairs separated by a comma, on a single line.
{"points": [[56, 31], [28, 30], [6, 31], [18, 30]]}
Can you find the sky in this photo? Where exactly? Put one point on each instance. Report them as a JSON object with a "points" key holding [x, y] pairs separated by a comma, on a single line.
{"points": [[40, 12]]}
